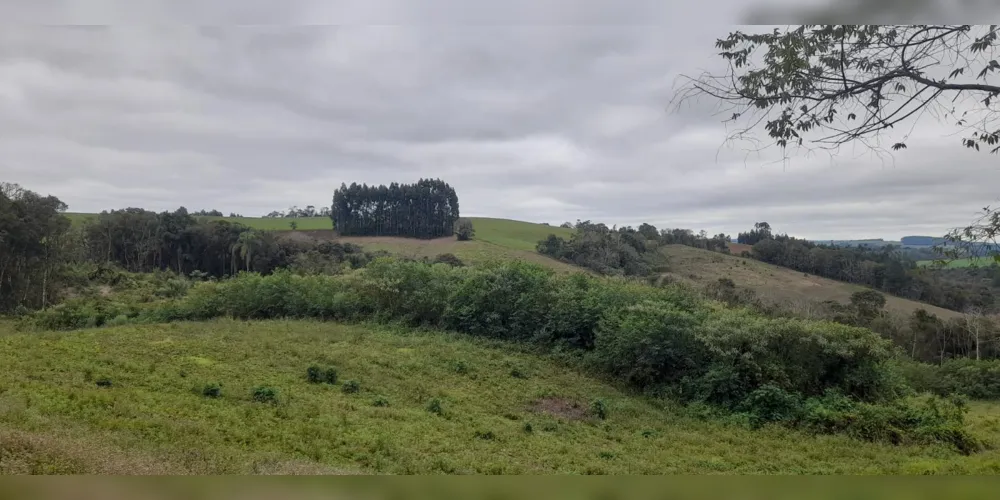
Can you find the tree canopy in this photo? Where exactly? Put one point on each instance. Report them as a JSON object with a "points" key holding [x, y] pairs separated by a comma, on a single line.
{"points": [[427, 209], [824, 86], [828, 85]]}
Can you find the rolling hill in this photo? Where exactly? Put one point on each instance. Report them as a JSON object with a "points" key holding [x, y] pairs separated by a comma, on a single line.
{"points": [[773, 283], [509, 239], [135, 400]]}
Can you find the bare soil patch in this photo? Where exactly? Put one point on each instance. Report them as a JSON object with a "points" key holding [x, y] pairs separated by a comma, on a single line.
{"points": [[559, 407]]}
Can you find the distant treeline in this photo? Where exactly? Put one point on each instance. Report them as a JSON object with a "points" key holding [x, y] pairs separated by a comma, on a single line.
{"points": [[39, 247], [295, 212], [427, 209], [886, 268]]}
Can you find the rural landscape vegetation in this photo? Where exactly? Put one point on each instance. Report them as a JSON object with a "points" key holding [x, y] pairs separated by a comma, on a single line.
{"points": [[387, 333]]}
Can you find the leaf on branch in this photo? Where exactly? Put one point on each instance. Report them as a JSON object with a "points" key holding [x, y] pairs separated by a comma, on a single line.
{"points": [[957, 72], [898, 146], [852, 116]]}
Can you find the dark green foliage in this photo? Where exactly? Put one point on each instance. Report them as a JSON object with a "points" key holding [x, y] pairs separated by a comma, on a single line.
{"points": [[926, 420], [517, 373], [599, 409], [317, 375], [380, 401], [486, 435], [975, 379], [351, 387], [528, 428], [649, 344], [597, 247], [330, 376], [212, 391], [34, 246], [503, 300], [770, 403], [427, 209], [662, 340], [265, 394], [314, 374], [434, 406], [464, 230], [103, 382]]}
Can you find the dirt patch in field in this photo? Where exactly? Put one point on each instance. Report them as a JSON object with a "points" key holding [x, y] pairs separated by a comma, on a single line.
{"points": [[738, 248], [559, 407]]}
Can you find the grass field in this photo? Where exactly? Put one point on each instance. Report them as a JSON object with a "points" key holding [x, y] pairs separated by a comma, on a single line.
{"points": [[128, 400], [960, 263], [774, 283], [495, 239]]}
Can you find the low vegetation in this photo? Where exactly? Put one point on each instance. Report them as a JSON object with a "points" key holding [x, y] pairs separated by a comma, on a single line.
{"points": [[820, 376], [155, 419]]}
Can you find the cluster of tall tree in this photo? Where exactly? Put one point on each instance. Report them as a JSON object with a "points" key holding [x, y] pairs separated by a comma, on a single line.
{"points": [[294, 212], [761, 231], [33, 231], [140, 240], [427, 209]]}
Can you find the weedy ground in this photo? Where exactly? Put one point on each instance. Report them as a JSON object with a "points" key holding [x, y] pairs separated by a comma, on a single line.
{"points": [[136, 400]]}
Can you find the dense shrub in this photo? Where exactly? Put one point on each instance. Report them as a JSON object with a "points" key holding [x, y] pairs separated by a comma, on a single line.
{"points": [[803, 357], [264, 394], [464, 230], [665, 340], [212, 391], [975, 379], [505, 301], [351, 387], [649, 344], [925, 420]]}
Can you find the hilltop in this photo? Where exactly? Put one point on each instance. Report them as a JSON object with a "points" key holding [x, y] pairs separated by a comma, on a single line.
{"points": [[499, 409]]}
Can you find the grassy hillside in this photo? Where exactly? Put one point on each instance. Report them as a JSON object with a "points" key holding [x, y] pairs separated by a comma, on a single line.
{"points": [[500, 239], [772, 282], [129, 400]]}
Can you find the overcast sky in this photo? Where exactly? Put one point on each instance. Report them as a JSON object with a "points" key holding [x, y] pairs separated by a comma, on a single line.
{"points": [[542, 122]]}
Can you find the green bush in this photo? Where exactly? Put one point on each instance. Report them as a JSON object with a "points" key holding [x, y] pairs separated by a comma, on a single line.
{"points": [[801, 357], [317, 375], [351, 387], [504, 301], [212, 391], [434, 406], [975, 379], [905, 421], [665, 340], [380, 401], [599, 409], [265, 394], [649, 344]]}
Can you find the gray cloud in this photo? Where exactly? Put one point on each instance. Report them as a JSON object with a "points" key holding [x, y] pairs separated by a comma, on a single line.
{"points": [[537, 121]]}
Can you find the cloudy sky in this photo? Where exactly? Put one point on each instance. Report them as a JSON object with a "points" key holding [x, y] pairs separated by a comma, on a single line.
{"points": [[547, 114]]}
